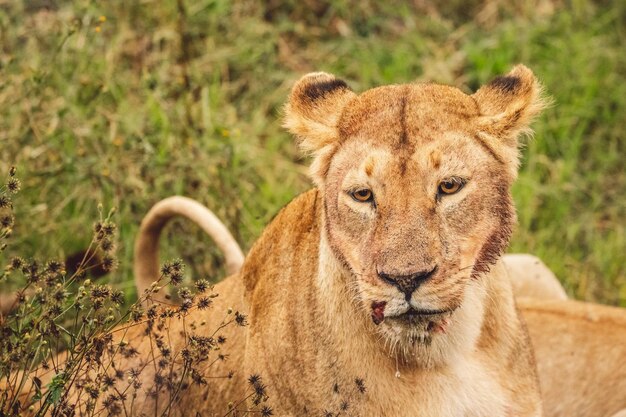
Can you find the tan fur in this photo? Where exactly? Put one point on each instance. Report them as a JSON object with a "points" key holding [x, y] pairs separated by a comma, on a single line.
{"points": [[313, 279], [532, 278], [146, 267], [334, 343], [581, 355], [312, 290]]}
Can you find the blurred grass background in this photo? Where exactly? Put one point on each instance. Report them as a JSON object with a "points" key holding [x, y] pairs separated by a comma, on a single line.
{"points": [[128, 102]]}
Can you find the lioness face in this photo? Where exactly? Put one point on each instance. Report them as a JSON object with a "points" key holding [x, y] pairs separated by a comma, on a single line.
{"points": [[415, 182]]}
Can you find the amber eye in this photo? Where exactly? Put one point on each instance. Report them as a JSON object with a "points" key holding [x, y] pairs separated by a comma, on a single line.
{"points": [[450, 186], [363, 195]]}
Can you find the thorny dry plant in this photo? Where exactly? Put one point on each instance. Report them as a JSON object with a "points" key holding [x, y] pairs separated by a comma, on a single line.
{"points": [[66, 329]]}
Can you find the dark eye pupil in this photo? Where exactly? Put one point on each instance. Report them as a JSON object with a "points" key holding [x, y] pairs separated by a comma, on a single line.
{"points": [[448, 185], [363, 193]]}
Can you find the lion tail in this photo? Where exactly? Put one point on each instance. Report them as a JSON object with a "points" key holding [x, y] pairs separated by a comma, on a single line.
{"points": [[146, 264]]}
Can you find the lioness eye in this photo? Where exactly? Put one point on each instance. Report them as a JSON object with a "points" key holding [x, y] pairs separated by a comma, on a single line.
{"points": [[450, 186], [364, 195]]}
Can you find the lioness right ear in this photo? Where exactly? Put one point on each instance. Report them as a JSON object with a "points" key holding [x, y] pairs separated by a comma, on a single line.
{"points": [[314, 107]]}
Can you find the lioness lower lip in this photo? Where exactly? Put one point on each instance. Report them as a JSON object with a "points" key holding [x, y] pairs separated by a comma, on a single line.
{"points": [[422, 313], [413, 312]]}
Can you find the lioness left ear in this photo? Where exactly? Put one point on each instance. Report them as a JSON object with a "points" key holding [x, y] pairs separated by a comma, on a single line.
{"points": [[509, 103], [315, 105]]}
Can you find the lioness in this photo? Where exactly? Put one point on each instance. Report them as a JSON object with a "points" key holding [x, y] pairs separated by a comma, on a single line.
{"points": [[323, 305], [576, 345], [390, 271], [387, 276]]}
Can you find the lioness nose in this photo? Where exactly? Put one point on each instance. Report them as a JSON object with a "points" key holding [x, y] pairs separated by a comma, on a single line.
{"points": [[408, 283]]}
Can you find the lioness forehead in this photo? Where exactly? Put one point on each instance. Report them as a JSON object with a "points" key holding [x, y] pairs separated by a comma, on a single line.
{"points": [[399, 114]]}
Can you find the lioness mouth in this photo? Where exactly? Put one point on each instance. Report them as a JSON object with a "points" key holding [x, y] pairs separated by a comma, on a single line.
{"points": [[415, 312], [412, 315], [434, 321], [416, 316]]}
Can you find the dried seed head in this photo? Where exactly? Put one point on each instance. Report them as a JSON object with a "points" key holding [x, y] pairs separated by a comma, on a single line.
{"points": [[107, 244], [109, 263], [204, 303], [5, 201], [13, 185], [202, 285], [241, 319], [6, 221], [176, 277], [17, 262], [108, 228], [360, 385], [55, 267]]}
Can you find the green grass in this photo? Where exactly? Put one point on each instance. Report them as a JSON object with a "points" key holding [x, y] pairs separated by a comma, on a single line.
{"points": [[160, 99]]}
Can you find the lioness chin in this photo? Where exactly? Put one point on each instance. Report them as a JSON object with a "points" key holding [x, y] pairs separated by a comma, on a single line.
{"points": [[389, 271]]}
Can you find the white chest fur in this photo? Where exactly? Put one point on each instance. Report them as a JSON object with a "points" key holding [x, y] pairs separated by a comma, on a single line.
{"points": [[464, 389]]}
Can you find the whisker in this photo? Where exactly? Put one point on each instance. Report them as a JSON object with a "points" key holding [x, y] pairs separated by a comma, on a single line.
{"points": [[466, 267]]}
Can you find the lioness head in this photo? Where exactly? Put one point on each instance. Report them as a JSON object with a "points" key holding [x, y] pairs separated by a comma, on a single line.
{"points": [[416, 184]]}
